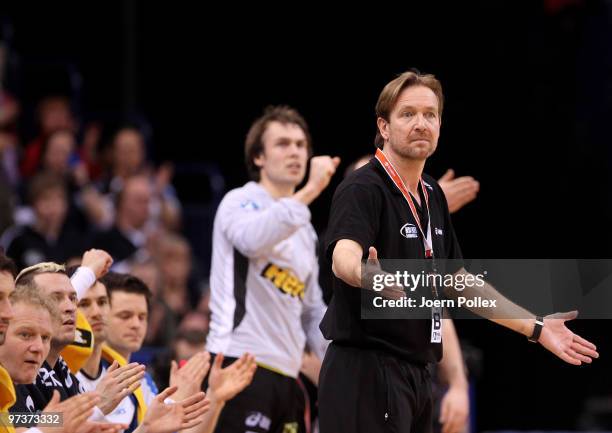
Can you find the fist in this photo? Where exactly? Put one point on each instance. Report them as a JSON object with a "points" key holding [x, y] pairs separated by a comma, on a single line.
{"points": [[99, 261], [322, 168]]}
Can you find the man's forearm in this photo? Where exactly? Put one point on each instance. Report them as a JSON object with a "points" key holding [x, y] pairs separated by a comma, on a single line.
{"points": [[346, 265], [505, 312]]}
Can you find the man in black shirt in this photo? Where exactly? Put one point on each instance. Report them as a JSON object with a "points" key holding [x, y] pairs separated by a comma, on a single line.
{"points": [[374, 376]]}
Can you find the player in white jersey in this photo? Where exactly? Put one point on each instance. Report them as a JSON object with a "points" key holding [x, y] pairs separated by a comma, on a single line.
{"points": [[265, 296]]}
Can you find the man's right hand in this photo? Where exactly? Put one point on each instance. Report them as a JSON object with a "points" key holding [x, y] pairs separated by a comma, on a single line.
{"points": [[322, 168], [372, 267], [99, 261]]}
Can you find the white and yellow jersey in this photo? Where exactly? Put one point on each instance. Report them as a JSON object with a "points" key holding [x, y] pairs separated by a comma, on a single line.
{"points": [[265, 296]]}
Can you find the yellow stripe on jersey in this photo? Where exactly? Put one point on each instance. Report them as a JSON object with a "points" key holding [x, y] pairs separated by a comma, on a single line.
{"points": [[110, 355], [78, 352], [7, 398]]}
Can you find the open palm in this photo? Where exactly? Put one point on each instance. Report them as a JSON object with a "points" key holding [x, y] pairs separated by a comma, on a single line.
{"points": [[225, 383], [568, 346]]}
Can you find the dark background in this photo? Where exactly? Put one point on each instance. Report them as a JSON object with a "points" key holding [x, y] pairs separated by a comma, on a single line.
{"points": [[528, 89]]}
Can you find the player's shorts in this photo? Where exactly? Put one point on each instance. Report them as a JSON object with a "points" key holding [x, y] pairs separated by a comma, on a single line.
{"points": [[272, 403]]}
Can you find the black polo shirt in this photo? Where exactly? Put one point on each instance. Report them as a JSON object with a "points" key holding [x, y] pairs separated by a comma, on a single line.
{"points": [[369, 209]]}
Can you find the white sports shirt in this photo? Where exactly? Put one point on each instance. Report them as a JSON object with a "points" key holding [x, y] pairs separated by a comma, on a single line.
{"points": [[265, 296]]}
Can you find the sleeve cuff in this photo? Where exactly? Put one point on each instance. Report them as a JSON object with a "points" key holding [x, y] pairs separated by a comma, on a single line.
{"points": [[97, 415], [296, 210], [82, 280]]}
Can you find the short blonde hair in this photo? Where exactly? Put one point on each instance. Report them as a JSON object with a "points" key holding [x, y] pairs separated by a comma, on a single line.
{"points": [[26, 276]]}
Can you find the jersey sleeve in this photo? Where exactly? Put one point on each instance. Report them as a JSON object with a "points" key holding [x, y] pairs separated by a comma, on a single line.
{"points": [[253, 230], [354, 215], [82, 280]]}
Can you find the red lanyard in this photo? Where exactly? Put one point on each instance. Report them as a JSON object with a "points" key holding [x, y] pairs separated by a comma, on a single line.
{"points": [[399, 183]]}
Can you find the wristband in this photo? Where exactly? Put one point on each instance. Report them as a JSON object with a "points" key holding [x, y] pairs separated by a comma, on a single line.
{"points": [[537, 329]]}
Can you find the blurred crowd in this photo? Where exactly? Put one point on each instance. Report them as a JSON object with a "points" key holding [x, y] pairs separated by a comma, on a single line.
{"points": [[66, 187]]}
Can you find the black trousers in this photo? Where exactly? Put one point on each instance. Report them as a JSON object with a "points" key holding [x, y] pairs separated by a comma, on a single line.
{"points": [[365, 391], [272, 403]]}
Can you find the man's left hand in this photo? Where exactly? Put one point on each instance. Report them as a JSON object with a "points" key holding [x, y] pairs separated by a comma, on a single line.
{"points": [[568, 346]]}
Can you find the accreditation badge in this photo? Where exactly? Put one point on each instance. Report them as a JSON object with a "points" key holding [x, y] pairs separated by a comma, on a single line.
{"points": [[436, 325]]}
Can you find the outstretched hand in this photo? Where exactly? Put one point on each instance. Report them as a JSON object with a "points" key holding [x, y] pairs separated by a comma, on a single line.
{"points": [[568, 346], [373, 268]]}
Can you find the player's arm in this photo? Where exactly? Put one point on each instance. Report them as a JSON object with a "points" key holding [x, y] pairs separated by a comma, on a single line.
{"points": [[346, 261], [554, 336], [348, 266], [94, 265], [252, 231]]}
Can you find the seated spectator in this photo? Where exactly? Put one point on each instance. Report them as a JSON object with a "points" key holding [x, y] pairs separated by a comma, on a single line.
{"points": [[127, 240], [172, 298], [53, 113], [127, 158], [58, 153], [195, 321], [49, 237], [9, 178], [87, 207]]}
